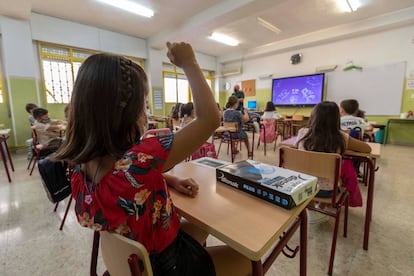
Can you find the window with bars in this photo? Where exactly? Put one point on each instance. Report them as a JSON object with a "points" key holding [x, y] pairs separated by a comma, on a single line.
{"points": [[176, 86], [60, 65]]}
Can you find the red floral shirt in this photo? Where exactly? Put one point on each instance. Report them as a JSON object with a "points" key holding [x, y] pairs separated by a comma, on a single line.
{"points": [[132, 199]]}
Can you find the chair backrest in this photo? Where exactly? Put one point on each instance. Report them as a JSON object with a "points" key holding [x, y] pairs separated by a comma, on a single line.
{"points": [[298, 117], [117, 249], [231, 125], [34, 136], [325, 166], [156, 132]]}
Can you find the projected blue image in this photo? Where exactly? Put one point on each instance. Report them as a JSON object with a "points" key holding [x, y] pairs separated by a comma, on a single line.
{"points": [[298, 91]]}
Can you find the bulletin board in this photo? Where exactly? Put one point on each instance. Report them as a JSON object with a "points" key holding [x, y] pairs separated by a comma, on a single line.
{"points": [[379, 89], [249, 88]]}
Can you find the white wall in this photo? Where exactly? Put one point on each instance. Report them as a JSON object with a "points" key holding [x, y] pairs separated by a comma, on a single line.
{"points": [[17, 52], [51, 29], [367, 51]]}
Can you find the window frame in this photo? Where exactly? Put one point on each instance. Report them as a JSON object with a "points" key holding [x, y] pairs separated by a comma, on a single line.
{"points": [[75, 57], [179, 72]]}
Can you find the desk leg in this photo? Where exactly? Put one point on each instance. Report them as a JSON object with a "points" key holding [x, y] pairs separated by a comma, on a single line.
{"points": [[3, 157], [8, 154], [257, 268], [370, 200], [303, 242]]}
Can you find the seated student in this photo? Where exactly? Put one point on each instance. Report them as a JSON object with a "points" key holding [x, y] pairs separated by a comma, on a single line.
{"points": [[270, 112], [231, 114], [48, 131], [66, 112], [220, 112], [349, 120], [187, 114], [175, 117], [29, 109], [323, 134], [254, 118], [118, 183]]}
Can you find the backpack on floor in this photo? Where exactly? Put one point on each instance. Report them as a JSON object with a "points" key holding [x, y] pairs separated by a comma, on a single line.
{"points": [[268, 133], [54, 179], [206, 150]]}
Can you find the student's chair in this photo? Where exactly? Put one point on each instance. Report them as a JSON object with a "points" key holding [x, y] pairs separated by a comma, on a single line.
{"points": [[121, 256], [327, 167], [298, 121], [39, 151], [265, 126], [230, 137]]}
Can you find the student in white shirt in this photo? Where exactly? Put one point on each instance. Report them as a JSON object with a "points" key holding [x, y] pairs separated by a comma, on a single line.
{"points": [[270, 112], [349, 120]]}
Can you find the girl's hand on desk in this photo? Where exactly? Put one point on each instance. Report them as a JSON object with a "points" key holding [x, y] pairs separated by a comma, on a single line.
{"points": [[186, 186]]}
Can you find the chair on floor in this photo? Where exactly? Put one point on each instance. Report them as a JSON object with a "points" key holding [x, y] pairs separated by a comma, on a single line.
{"points": [[298, 121], [39, 151], [327, 167], [266, 137], [230, 137], [121, 256]]}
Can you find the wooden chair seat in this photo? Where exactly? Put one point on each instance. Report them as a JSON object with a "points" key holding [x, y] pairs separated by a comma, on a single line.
{"points": [[326, 166], [121, 256]]}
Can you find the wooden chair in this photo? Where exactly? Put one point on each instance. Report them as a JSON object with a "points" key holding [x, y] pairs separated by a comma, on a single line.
{"points": [[39, 151], [298, 121], [5, 154], [327, 167], [230, 137], [156, 132], [121, 256], [262, 126]]}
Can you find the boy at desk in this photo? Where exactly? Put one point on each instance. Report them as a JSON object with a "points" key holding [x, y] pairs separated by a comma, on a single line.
{"points": [[349, 120], [48, 131]]}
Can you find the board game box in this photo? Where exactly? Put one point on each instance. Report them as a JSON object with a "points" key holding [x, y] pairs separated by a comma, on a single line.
{"points": [[277, 185]]}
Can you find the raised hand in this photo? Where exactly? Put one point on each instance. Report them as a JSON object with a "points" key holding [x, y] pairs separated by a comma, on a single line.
{"points": [[181, 54]]}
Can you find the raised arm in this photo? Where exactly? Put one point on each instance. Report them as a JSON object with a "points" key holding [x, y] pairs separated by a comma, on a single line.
{"points": [[193, 135]]}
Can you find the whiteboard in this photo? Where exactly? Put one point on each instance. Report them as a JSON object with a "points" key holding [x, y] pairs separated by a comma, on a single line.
{"points": [[378, 89]]}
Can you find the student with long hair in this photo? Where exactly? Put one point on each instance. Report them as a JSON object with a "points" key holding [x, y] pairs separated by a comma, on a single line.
{"points": [[118, 182], [324, 134], [232, 114]]}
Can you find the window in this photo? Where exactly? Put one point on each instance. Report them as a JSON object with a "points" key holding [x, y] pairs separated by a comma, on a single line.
{"points": [[60, 66], [176, 86]]}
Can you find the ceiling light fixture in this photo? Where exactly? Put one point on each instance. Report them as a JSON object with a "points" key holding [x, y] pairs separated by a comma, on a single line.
{"points": [[225, 39], [268, 25], [129, 6], [349, 5]]}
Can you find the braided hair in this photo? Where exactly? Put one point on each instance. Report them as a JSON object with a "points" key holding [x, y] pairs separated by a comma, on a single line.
{"points": [[107, 113]]}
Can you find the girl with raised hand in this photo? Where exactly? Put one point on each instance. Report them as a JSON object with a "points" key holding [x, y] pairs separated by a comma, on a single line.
{"points": [[118, 182]]}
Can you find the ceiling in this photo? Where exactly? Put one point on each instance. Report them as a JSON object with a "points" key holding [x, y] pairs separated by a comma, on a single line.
{"points": [[194, 20]]}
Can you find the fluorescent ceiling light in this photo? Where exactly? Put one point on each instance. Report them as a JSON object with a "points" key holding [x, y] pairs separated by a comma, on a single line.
{"points": [[129, 6], [348, 5], [225, 39], [268, 25]]}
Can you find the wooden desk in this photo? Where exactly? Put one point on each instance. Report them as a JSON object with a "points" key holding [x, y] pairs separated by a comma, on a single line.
{"points": [[5, 152], [247, 224], [370, 160]]}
